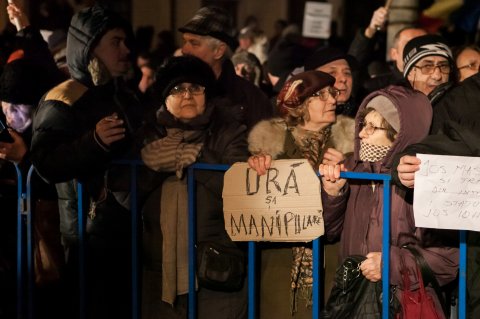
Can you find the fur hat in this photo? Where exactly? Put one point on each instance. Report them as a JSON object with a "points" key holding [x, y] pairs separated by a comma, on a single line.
{"points": [[300, 87], [387, 110], [326, 55], [23, 82], [425, 45], [214, 22], [183, 69]]}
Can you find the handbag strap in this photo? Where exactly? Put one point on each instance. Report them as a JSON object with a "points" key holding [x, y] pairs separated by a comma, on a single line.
{"points": [[428, 275]]}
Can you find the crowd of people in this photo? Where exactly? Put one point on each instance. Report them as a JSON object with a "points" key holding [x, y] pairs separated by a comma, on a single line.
{"points": [[224, 96]]}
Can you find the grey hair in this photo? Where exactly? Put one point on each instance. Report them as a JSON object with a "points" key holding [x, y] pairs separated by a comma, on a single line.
{"points": [[215, 43]]}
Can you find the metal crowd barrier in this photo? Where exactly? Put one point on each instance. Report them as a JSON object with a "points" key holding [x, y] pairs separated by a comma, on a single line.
{"points": [[25, 248]]}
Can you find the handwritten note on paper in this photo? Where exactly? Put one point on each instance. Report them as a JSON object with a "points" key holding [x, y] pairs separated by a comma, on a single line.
{"points": [[282, 205], [447, 192]]}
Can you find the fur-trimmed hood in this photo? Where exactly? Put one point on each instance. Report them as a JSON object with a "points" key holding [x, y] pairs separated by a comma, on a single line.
{"points": [[268, 136]]}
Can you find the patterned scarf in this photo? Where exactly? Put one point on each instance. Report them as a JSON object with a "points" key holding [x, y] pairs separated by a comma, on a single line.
{"points": [[372, 153], [301, 277], [311, 143]]}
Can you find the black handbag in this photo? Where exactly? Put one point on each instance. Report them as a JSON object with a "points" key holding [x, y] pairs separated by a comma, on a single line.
{"points": [[354, 296], [220, 267]]}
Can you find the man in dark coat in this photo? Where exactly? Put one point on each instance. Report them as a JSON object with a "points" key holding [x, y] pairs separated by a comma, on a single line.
{"points": [[80, 126], [209, 35], [455, 128]]}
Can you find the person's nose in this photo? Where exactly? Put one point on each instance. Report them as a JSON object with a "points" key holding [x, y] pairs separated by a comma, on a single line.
{"points": [[187, 94], [436, 73], [185, 49], [362, 134]]}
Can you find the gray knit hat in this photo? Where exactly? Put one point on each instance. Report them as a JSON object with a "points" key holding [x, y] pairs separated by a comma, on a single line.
{"points": [[214, 22], [425, 45], [387, 110]]}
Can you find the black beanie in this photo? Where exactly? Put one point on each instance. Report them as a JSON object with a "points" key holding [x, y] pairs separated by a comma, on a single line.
{"points": [[326, 55], [425, 45], [183, 69], [23, 82]]}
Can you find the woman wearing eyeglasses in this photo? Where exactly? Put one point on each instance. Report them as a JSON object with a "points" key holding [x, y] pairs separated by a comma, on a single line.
{"points": [[388, 120], [193, 128], [308, 128]]}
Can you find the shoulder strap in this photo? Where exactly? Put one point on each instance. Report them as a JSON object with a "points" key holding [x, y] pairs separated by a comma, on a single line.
{"points": [[428, 275]]}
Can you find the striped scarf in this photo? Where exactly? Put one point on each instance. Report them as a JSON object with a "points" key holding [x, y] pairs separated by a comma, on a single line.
{"points": [[174, 152]]}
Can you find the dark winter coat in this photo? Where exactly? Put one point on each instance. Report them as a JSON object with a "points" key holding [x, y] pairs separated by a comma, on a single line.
{"points": [[356, 217], [248, 104], [64, 147]]}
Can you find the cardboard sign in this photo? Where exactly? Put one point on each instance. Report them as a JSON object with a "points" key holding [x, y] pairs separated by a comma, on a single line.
{"points": [[447, 192], [282, 205], [317, 20]]}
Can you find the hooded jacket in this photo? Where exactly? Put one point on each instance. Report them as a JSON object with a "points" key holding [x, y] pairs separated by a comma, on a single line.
{"points": [[64, 145], [356, 216]]}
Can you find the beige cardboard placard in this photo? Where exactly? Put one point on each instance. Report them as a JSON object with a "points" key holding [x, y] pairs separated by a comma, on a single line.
{"points": [[282, 205]]}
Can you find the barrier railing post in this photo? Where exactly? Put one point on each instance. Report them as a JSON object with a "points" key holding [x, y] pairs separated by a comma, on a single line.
{"points": [[192, 238], [133, 208], [21, 206], [30, 244], [386, 249], [252, 287], [81, 253], [462, 289], [317, 291]]}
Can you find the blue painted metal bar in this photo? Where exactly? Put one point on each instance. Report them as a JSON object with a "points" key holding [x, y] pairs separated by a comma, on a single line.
{"points": [[386, 232], [20, 244], [386, 248], [317, 265], [135, 263], [462, 290], [82, 253], [252, 288], [192, 238], [30, 266]]}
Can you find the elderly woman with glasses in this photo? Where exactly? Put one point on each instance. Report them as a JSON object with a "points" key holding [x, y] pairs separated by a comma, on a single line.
{"points": [[388, 120], [308, 128], [194, 127]]}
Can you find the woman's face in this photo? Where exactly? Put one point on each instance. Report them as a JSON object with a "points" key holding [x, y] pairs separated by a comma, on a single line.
{"points": [[18, 116], [321, 107], [372, 131], [186, 101]]}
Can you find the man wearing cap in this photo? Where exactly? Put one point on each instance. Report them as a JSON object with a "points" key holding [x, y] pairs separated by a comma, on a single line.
{"points": [[428, 66], [209, 35], [339, 65]]}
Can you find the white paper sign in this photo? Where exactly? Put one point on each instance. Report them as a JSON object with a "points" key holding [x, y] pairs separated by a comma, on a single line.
{"points": [[447, 192], [283, 205], [317, 20]]}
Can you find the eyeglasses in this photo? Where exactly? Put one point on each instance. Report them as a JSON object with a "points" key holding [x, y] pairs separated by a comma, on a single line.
{"points": [[180, 91], [323, 94], [471, 66], [428, 69], [370, 128]]}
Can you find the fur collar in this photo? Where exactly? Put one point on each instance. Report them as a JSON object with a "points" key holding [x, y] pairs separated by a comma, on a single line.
{"points": [[268, 136]]}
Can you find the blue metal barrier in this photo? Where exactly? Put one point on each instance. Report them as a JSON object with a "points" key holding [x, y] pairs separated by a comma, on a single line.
{"points": [[25, 216], [316, 249]]}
